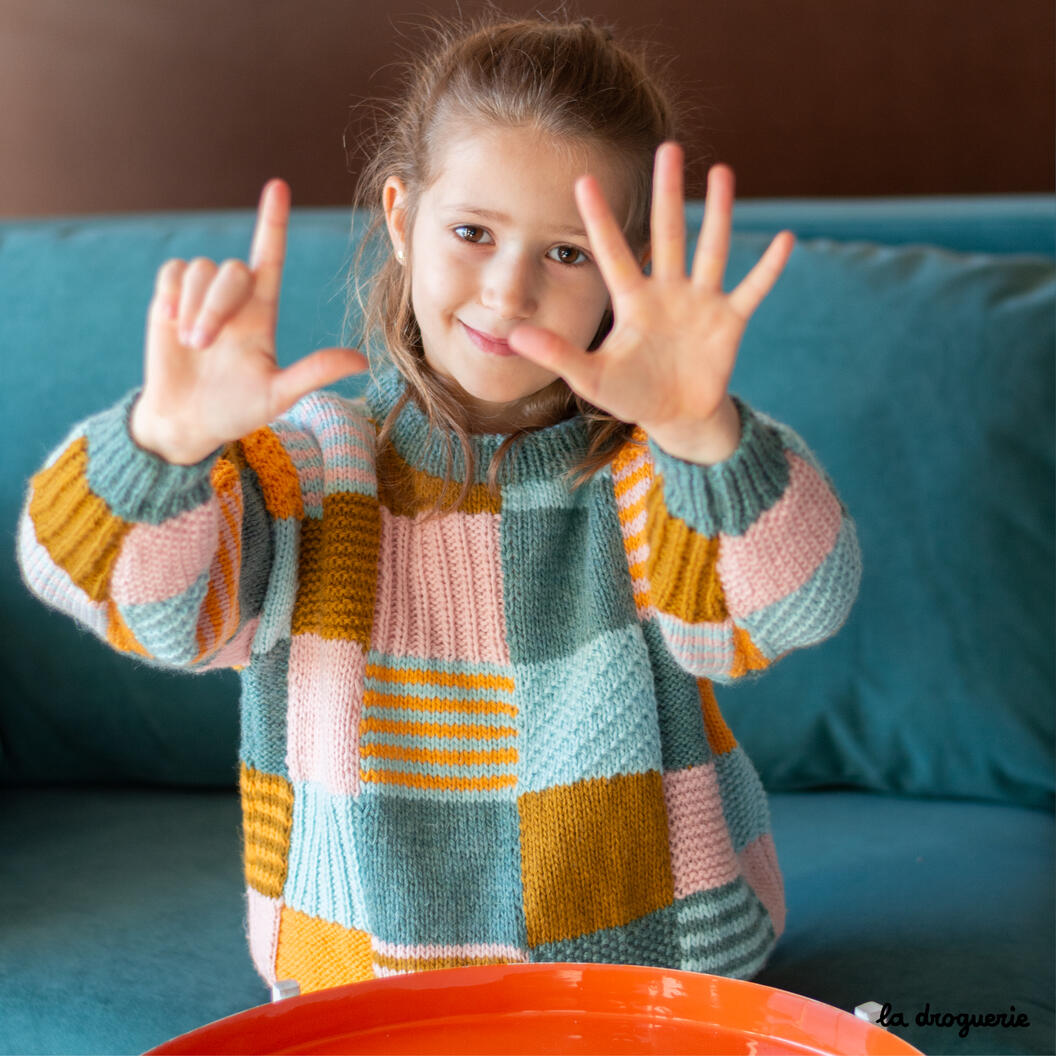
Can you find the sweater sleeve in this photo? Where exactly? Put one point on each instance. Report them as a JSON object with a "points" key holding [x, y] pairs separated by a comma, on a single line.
{"points": [[740, 562], [167, 563]]}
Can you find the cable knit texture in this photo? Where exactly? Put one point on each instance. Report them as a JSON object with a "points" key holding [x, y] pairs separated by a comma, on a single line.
{"points": [[486, 738]]}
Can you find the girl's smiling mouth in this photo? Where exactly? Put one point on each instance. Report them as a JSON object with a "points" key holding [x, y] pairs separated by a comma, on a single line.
{"points": [[486, 343]]}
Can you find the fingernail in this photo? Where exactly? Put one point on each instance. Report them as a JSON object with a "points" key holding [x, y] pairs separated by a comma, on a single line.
{"points": [[199, 337]]}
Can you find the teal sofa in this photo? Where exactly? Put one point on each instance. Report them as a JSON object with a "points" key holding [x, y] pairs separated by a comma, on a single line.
{"points": [[909, 759]]}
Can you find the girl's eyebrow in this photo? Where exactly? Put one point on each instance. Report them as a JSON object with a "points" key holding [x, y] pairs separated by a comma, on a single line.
{"points": [[502, 218]]}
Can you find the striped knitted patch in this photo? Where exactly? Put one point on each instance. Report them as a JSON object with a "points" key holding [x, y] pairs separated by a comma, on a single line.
{"points": [[267, 814], [331, 443], [632, 477], [438, 727], [725, 931]]}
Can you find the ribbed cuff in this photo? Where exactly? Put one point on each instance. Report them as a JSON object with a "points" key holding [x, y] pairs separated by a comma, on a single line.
{"points": [[138, 485], [728, 496]]}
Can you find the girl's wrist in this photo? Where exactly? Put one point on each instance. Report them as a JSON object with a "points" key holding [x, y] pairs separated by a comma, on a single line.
{"points": [[152, 434], [706, 443]]}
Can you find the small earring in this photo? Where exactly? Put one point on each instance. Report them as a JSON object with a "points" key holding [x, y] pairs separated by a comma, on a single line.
{"points": [[400, 256]]}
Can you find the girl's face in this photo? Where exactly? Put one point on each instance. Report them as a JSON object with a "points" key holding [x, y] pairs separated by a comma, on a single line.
{"points": [[498, 241]]}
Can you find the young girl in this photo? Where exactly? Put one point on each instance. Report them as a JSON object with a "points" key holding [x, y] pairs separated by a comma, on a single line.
{"points": [[477, 613]]}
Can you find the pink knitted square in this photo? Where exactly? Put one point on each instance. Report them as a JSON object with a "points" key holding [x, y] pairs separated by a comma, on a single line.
{"points": [[759, 865], [785, 546], [702, 856], [160, 561], [325, 686], [440, 588], [262, 915]]}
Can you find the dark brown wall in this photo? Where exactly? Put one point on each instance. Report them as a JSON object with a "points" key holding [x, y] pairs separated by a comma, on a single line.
{"points": [[115, 105]]}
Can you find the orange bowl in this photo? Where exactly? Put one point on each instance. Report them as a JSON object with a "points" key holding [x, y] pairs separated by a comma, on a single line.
{"points": [[544, 1008]]}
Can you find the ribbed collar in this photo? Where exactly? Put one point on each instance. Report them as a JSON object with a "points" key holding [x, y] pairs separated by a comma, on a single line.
{"points": [[541, 455]]}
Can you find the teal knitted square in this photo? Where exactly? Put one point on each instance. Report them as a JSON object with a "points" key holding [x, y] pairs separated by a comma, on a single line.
{"points": [[583, 717], [565, 575]]}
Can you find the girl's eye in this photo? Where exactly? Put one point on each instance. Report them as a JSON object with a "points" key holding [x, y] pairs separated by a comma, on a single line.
{"points": [[568, 255], [472, 234]]}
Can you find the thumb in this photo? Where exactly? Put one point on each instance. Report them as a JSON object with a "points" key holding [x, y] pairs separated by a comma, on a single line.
{"points": [[316, 371], [577, 366]]}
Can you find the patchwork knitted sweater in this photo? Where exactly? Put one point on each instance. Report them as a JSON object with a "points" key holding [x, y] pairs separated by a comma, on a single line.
{"points": [[491, 737]]}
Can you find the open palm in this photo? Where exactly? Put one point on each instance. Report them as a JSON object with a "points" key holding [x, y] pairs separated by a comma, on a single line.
{"points": [[211, 369], [667, 362]]}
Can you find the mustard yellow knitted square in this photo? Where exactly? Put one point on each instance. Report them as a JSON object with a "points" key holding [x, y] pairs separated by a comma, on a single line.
{"points": [[267, 816], [594, 854], [337, 570], [320, 954]]}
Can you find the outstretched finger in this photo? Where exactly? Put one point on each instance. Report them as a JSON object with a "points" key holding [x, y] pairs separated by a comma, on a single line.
{"points": [[667, 223], [316, 371], [167, 285], [550, 350], [760, 280], [713, 245], [164, 309], [268, 251], [619, 268], [226, 295]]}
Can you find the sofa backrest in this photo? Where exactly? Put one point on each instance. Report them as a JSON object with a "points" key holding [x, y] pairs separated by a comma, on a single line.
{"points": [[909, 342]]}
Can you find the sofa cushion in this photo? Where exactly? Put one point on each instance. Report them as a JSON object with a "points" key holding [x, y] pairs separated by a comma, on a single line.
{"points": [[923, 380], [123, 919], [123, 915], [933, 906]]}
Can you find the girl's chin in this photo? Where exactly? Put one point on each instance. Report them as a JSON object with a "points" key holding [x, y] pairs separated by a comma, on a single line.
{"points": [[502, 399], [500, 395]]}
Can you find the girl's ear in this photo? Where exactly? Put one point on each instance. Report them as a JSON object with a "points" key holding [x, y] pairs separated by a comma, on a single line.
{"points": [[393, 201]]}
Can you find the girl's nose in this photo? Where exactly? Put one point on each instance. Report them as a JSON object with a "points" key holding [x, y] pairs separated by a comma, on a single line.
{"points": [[509, 287]]}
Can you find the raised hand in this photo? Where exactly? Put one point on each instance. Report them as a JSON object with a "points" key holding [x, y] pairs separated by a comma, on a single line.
{"points": [[667, 362], [211, 374]]}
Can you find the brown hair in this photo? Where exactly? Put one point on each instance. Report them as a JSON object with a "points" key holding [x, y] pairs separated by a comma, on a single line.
{"points": [[568, 78]]}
